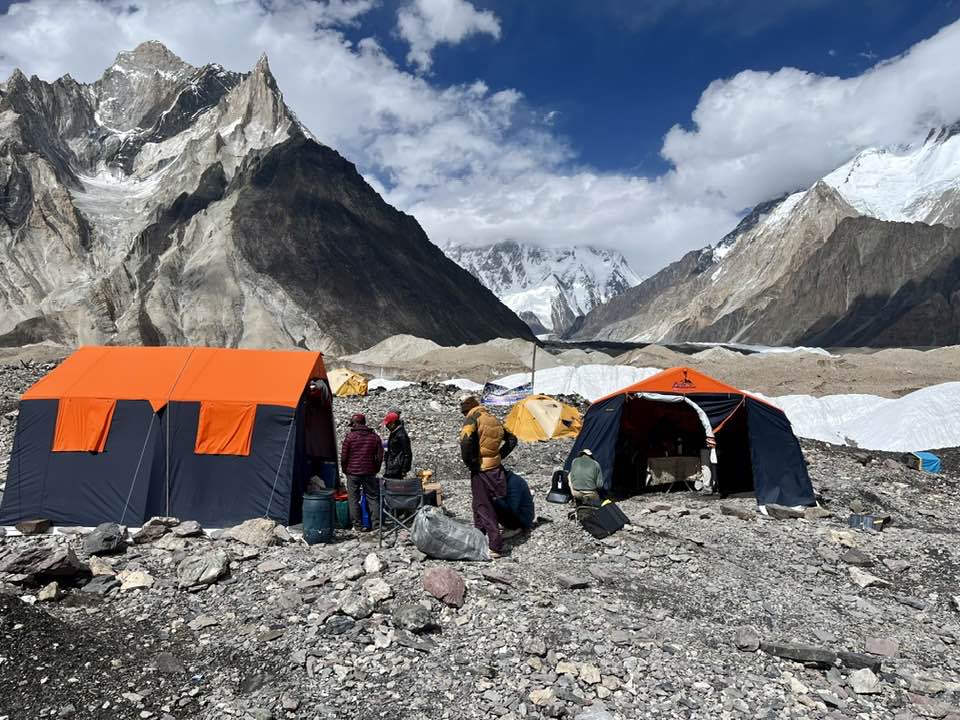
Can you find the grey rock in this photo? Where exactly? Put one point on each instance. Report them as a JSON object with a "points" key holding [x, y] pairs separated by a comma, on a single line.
{"points": [[781, 512], [738, 512], [202, 622], [857, 557], [49, 592], [188, 529], [105, 539], [163, 521], [822, 657], [864, 579], [373, 564], [256, 532], [594, 712], [913, 602], [101, 585], [378, 589], [339, 624], [747, 639], [41, 564], [864, 682], [202, 568], [535, 646], [824, 636], [896, 565], [413, 617], [882, 646], [33, 527], [356, 606], [856, 661], [168, 664], [150, 533], [573, 582]]}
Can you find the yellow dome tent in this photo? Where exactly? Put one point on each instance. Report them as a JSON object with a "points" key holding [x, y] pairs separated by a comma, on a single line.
{"points": [[540, 417], [345, 382]]}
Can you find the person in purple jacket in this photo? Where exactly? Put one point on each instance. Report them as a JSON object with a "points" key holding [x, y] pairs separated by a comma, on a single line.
{"points": [[361, 455]]}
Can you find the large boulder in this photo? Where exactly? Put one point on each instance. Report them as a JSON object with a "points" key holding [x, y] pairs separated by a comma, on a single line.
{"points": [[258, 532], [150, 533], [40, 565], [105, 539], [203, 568]]}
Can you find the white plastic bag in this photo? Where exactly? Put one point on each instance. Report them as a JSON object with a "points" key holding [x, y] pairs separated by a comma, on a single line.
{"points": [[443, 538]]}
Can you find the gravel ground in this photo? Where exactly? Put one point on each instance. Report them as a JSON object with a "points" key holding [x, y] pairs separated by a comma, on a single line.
{"points": [[661, 620]]}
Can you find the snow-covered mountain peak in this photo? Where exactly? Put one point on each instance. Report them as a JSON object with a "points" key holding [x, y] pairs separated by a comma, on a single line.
{"points": [[555, 284], [918, 183]]}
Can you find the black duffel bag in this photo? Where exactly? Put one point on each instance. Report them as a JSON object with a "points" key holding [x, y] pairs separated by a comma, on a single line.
{"points": [[604, 520]]}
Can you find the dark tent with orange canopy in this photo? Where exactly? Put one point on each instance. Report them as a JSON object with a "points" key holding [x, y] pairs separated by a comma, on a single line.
{"points": [[121, 434], [744, 443]]}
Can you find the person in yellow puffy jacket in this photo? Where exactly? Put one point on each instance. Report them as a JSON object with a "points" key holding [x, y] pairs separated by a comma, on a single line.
{"points": [[484, 443]]}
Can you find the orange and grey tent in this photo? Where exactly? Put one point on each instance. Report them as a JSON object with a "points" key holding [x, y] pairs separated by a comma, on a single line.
{"points": [[121, 434], [681, 412]]}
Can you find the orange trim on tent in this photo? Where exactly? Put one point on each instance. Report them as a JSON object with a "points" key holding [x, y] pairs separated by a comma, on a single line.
{"points": [[680, 381], [159, 374], [225, 428], [265, 377], [83, 424]]}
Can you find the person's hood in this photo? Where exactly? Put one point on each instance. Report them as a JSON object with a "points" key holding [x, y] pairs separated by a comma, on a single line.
{"points": [[476, 411]]}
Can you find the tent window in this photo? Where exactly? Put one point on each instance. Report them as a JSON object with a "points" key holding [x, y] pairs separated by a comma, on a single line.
{"points": [[225, 428], [83, 424]]}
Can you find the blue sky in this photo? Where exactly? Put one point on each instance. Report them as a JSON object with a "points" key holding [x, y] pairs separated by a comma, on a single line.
{"points": [[648, 126], [620, 73]]}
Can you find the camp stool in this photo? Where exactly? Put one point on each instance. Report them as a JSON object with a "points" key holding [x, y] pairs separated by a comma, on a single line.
{"points": [[399, 502]]}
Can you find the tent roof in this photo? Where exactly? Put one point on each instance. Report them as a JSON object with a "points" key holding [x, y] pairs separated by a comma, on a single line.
{"points": [[160, 374], [680, 381]]}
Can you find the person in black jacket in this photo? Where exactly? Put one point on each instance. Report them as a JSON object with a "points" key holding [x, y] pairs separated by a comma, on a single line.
{"points": [[399, 457]]}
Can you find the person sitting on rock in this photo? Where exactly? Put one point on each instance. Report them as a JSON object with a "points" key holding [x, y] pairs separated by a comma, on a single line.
{"points": [[586, 477], [484, 443], [399, 456], [361, 455]]}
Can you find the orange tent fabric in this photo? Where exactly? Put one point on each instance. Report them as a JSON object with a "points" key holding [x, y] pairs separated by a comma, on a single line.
{"points": [[159, 374], [680, 381], [225, 428], [229, 383], [83, 424]]}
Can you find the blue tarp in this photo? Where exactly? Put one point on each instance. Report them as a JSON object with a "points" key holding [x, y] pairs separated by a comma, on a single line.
{"points": [[928, 461]]}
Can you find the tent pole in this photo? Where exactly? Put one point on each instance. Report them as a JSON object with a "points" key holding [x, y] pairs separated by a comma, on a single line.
{"points": [[533, 372], [167, 464]]}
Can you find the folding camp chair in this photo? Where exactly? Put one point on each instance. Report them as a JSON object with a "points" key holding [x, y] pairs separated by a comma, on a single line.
{"points": [[399, 502]]}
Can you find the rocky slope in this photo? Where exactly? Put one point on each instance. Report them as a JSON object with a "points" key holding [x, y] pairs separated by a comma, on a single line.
{"points": [[548, 287], [867, 256], [701, 609], [169, 204]]}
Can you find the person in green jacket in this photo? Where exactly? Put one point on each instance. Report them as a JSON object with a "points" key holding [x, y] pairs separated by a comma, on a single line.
{"points": [[586, 477]]}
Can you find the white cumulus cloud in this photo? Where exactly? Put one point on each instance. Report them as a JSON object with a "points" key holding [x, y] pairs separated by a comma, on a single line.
{"points": [[478, 164], [424, 24]]}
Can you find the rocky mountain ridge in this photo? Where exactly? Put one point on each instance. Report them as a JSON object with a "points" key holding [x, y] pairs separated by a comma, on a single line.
{"points": [[548, 287], [167, 204], [866, 256]]}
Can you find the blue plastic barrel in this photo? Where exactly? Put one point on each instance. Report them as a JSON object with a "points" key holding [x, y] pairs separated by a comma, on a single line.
{"points": [[318, 509], [328, 473]]}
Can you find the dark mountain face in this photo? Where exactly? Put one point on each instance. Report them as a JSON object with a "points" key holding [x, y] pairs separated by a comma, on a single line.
{"points": [[167, 204], [303, 214]]}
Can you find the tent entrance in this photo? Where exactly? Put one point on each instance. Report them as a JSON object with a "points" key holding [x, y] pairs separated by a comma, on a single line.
{"points": [[664, 444]]}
